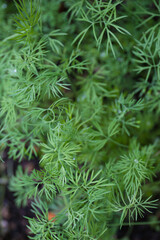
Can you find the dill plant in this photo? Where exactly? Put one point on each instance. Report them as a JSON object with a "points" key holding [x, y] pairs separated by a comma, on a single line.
{"points": [[80, 83]]}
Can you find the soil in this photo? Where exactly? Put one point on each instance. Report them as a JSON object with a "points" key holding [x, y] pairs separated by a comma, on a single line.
{"points": [[13, 225]]}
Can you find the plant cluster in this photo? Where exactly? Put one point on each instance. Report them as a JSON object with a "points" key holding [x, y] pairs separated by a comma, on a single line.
{"points": [[80, 91]]}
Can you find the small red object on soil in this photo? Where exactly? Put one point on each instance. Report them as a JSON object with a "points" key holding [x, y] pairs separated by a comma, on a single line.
{"points": [[51, 215]]}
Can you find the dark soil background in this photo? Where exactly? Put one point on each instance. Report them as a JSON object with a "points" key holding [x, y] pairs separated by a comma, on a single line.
{"points": [[13, 225]]}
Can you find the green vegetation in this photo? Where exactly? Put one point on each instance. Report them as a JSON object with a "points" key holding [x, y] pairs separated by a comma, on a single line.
{"points": [[80, 91]]}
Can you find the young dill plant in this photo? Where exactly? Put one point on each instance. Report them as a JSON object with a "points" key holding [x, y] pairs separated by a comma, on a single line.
{"points": [[77, 103]]}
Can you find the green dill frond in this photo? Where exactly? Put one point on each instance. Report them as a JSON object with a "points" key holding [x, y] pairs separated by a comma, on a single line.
{"points": [[101, 17], [133, 206], [27, 18], [147, 56]]}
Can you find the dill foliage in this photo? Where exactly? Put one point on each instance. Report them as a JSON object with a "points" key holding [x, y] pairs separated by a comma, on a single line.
{"points": [[80, 91]]}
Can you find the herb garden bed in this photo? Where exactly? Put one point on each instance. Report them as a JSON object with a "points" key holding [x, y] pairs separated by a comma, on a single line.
{"points": [[79, 119]]}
